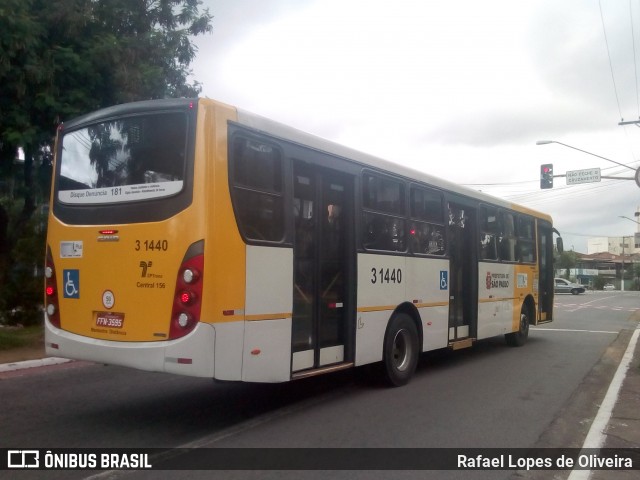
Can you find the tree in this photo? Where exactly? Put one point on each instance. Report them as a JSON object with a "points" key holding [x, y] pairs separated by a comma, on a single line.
{"points": [[636, 275], [567, 261], [63, 58]]}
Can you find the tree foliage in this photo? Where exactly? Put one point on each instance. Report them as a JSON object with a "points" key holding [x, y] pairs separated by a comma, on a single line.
{"points": [[566, 261], [63, 58]]}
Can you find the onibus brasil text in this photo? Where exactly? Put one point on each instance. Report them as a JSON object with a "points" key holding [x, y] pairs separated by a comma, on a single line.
{"points": [[51, 460]]}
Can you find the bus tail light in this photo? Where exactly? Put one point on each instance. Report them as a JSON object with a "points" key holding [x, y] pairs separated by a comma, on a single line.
{"points": [[187, 298], [51, 304], [190, 276], [188, 294]]}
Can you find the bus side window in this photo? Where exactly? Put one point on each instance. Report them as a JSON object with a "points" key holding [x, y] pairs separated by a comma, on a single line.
{"points": [[383, 220], [257, 178], [488, 249], [507, 247], [488, 233], [526, 238], [384, 233], [427, 239], [427, 231]]}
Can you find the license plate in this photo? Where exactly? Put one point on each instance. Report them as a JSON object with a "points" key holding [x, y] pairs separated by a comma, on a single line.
{"points": [[109, 319]]}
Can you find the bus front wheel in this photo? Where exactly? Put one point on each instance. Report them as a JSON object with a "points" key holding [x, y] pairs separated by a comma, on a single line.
{"points": [[401, 350]]}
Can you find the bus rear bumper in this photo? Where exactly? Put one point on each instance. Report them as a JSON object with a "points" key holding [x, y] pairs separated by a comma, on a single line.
{"points": [[192, 355]]}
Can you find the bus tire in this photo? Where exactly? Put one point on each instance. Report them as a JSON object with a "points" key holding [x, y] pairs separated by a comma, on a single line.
{"points": [[519, 338], [401, 350]]}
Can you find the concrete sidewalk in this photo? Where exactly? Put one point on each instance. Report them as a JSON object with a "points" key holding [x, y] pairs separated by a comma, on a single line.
{"points": [[623, 427]]}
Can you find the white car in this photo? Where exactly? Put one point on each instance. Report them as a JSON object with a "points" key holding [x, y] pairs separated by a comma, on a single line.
{"points": [[609, 286], [565, 286]]}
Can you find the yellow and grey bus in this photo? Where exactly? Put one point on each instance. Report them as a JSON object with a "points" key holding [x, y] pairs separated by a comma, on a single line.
{"points": [[191, 237]]}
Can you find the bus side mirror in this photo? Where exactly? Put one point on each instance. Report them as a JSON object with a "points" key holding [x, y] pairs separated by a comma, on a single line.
{"points": [[559, 245]]}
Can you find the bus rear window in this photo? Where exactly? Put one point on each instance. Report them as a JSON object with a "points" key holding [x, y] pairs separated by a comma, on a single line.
{"points": [[128, 159]]}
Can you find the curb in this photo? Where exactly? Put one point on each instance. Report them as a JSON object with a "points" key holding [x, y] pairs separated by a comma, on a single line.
{"points": [[42, 362]]}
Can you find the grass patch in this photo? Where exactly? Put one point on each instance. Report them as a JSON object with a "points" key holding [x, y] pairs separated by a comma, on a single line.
{"points": [[19, 337]]}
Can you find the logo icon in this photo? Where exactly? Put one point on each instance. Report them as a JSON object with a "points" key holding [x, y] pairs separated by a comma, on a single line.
{"points": [[108, 299], [488, 280], [444, 279], [23, 459], [71, 283], [145, 265]]}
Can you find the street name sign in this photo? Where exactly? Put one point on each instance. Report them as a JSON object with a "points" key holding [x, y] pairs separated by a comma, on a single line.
{"points": [[587, 175]]}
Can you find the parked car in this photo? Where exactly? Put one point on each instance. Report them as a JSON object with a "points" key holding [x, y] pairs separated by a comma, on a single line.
{"points": [[565, 286], [609, 286]]}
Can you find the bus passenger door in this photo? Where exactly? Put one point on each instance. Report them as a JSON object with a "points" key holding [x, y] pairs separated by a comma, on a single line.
{"points": [[463, 291], [545, 275], [323, 263]]}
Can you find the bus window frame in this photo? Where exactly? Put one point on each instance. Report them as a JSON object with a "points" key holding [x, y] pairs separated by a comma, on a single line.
{"points": [[498, 234], [140, 211], [413, 219], [530, 240], [402, 216], [234, 187]]}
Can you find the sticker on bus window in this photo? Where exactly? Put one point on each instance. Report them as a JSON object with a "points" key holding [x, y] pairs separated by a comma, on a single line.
{"points": [[71, 249], [523, 280], [125, 193]]}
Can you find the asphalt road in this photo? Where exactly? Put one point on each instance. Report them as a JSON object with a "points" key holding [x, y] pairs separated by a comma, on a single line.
{"points": [[489, 396]]}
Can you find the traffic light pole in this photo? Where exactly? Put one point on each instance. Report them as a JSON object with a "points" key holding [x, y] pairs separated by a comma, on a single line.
{"points": [[546, 142], [636, 177]]}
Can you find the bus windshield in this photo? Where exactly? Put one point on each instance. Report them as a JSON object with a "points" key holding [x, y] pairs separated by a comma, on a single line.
{"points": [[129, 159]]}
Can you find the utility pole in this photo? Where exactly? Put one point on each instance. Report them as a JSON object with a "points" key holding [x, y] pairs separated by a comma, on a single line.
{"points": [[635, 237], [622, 283]]}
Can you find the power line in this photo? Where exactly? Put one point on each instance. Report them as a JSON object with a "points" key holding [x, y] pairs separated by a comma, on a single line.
{"points": [[606, 41], [537, 198], [615, 170], [497, 183]]}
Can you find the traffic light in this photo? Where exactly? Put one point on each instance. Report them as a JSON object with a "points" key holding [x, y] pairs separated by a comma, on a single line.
{"points": [[546, 175]]}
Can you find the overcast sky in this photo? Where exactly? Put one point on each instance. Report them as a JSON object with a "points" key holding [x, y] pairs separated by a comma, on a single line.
{"points": [[460, 89]]}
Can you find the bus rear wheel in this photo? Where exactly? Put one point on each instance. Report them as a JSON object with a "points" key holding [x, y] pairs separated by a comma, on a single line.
{"points": [[401, 350], [519, 338]]}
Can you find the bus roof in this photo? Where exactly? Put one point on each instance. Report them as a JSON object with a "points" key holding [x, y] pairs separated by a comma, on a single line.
{"points": [[291, 134]]}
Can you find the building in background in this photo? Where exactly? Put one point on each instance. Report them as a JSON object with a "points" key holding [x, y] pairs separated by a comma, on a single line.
{"points": [[627, 245], [610, 259]]}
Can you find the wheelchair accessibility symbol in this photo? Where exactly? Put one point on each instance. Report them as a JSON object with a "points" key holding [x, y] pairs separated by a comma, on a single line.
{"points": [[444, 280], [71, 283]]}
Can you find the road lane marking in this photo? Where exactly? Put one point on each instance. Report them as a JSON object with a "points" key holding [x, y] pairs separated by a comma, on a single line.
{"points": [[596, 436], [575, 306]]}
